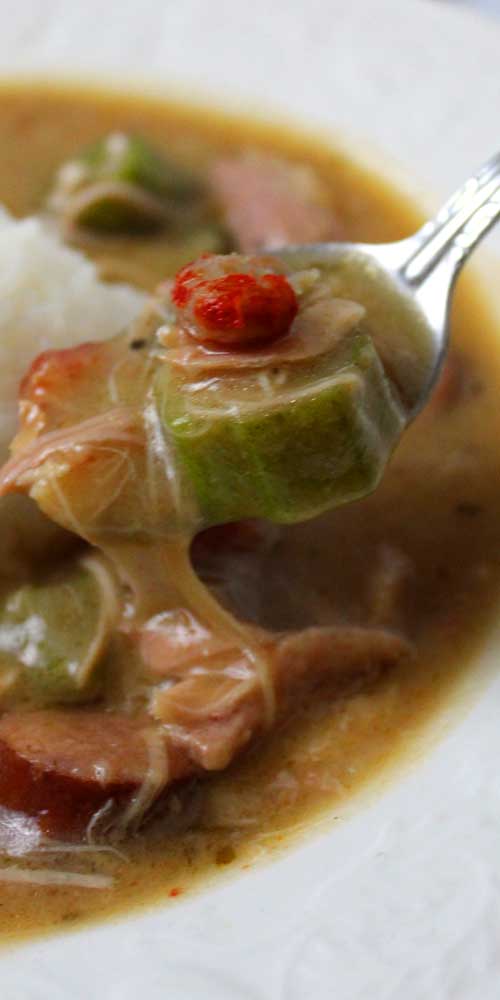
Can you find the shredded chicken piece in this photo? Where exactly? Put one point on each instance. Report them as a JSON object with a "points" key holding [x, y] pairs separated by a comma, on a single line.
{"points": [[215, 714]]}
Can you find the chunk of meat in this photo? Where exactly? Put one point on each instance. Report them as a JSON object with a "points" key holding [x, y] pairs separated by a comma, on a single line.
{"points": [[65, 471], [219, 706], [69, 446], [63, 766], [53, 384], [85, 451], [87, 380], [268, 203]]}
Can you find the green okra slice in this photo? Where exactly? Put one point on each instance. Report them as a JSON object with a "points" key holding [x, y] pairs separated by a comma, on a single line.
{"points": [[54, 634], [122, 184], [133, 160], [286, 443]]}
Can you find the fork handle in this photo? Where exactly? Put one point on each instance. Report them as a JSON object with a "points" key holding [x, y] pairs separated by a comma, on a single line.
{"points": [[458, 227]]}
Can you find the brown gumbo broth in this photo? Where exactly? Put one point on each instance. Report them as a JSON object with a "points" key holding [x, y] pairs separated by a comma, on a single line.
{"points": [[420, 555]]}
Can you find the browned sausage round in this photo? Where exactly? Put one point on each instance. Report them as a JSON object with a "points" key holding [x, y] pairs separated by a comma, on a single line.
{"points": [[62, 766]]}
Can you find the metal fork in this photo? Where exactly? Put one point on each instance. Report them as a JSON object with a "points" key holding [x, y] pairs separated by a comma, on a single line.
{"points": [[424, 267]]}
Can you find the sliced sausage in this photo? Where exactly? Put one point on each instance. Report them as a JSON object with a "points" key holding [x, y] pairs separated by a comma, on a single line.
{"points": [[63, 766], [268, 202]]}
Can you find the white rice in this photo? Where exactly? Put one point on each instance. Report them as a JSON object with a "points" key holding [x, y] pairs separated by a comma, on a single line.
{"points": [[50, 296]]}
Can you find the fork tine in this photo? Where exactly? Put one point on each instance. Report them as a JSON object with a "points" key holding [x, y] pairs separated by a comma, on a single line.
{"points": [[473, 185], [460, 223]]}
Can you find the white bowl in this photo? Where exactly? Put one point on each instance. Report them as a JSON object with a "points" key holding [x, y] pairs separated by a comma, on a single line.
{"points": [[399, 897]]}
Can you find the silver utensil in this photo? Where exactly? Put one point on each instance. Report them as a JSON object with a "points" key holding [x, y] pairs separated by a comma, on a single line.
{"points": [[424, 267]]}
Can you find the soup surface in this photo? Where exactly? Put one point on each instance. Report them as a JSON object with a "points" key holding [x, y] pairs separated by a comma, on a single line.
{"points": [[420, 555]]}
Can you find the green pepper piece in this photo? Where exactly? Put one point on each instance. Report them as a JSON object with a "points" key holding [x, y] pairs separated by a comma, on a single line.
{"points": [[313, 437], [54, 634], [116, 208], [132, 160]]}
